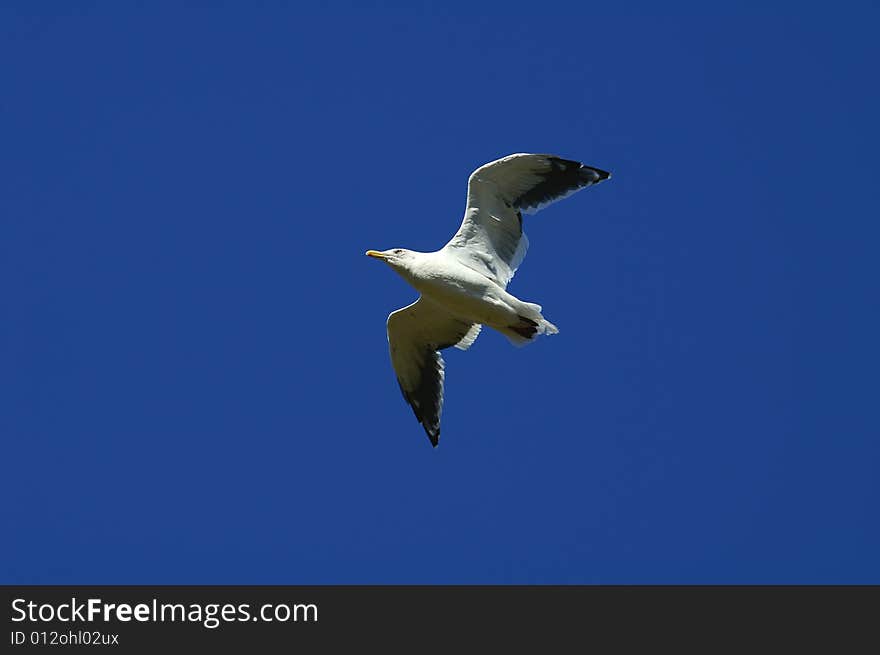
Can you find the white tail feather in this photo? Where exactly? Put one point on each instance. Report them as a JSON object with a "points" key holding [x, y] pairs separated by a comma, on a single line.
{"points": [[530, 327]]}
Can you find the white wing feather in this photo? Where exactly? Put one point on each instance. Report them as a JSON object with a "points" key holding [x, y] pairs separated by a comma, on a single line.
{"points": [[490, 239], [416, 335]]}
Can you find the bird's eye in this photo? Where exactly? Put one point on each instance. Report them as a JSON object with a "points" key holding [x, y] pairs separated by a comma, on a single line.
{"points": [[398, 252]]}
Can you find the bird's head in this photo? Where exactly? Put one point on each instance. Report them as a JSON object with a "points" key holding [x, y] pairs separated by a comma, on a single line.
{"points": [[396, 258]]}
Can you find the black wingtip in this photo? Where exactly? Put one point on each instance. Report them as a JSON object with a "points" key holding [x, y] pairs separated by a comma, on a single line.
{"points": [[433, 433], [602, 175]]}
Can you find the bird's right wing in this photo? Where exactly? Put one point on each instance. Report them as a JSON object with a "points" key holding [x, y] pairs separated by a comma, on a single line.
{"points": [[490, 239], [416, 335]]}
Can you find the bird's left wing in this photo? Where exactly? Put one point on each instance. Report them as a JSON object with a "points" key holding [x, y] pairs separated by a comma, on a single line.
{"points": [[491, 239], [416, 335]]}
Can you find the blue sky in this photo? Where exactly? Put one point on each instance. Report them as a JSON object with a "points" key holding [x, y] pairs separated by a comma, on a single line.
{"points": [[194, 377]]}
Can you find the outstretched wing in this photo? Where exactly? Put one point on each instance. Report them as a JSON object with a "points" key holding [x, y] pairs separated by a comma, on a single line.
{"points": [[416, 335], [490, 239]]}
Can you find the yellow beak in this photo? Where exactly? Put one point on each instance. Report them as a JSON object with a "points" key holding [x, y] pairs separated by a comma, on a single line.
{"points": [[376, 254]]}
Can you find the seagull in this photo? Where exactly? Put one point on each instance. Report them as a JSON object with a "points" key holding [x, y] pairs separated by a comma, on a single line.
{"points": [[463, 285]]}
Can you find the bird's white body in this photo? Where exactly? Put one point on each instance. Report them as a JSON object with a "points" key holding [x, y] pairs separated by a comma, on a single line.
{"points": [[466, 294]]}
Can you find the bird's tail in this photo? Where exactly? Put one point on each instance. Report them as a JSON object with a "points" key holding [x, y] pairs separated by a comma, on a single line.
{"points": [[530, 324]]}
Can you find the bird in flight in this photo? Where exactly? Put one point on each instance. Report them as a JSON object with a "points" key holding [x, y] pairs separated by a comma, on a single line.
{"points": [[463, 285]]}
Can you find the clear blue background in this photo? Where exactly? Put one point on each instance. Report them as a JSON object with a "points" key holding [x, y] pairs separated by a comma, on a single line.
{"points": [[194, 377]]}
